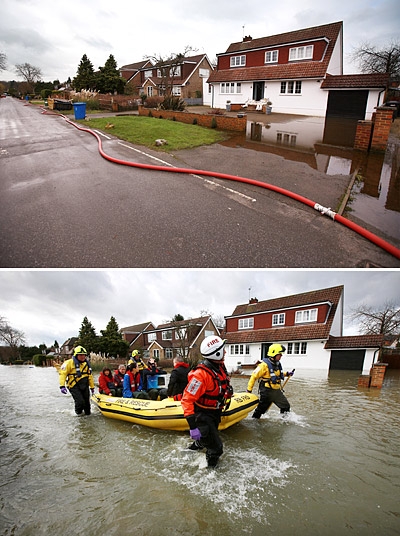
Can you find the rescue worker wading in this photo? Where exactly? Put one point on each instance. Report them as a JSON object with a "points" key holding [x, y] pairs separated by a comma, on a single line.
{"points": [[77, 374], [269, 373], [204, 398]]}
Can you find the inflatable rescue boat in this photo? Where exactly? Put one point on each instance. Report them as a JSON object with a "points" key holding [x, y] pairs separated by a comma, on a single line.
{"points": [[167, 414]]}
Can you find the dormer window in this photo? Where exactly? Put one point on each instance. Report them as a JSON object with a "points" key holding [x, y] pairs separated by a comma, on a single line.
{"points": [[301, 53], [278, 319], [151, 337], [167, 335], [246, 323], [271, 56], [308, 315], [238, 61]]}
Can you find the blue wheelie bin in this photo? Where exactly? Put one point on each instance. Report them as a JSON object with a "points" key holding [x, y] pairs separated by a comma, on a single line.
{"points": [[79, 110]]}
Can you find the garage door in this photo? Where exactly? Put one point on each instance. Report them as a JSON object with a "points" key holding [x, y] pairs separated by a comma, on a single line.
{"points": [[347, 104], [347, 360]]}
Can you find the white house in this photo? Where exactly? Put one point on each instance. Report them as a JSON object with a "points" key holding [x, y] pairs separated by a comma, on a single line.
{"points": [[309, 325]]}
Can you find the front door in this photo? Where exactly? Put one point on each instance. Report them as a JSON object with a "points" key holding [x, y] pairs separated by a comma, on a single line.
{"points": [[258, 90]]}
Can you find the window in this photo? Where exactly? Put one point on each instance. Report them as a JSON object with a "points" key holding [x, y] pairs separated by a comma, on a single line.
{"points": [[238, 61], [231, 87], [180, 334], [239, 349], [246, 323], [309, 315], [167, 335], [290, 87], [297, 348], [169, 353], [301, 53], [148, 74], [209, 333], [175, 71], [150, 91], [151, 337], [271, 56], [156, 353], [278, 319], [176, 91]]}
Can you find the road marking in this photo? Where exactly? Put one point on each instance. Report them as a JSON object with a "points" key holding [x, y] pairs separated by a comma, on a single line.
{"points": [[102, 134], [208, 181]]}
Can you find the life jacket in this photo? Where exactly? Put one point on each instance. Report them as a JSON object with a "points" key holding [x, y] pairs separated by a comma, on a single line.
{"points": [[222, 390], [275, 373], [134, 380], [140, 363], [82, 372]]}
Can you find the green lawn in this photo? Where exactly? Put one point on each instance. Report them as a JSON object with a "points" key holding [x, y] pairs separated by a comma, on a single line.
{"points": [[146, 130]]}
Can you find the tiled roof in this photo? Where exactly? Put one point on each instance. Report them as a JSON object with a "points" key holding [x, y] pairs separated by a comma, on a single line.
{"points": [[368, 81], [201, 320], [293, 70], [137, 328], [355, 341], [331, 294], [134, 66], [301, 332]]}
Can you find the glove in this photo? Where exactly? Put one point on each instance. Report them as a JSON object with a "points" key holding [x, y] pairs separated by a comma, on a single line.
{"points": [[64, 390], [290, 373], [92, 391], [195, 434]]}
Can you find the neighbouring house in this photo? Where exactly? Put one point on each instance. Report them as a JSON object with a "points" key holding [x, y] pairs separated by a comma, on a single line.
{"points": [[189, 79], [300, 72], [67, 347], [178, 338], [135, 335], [309, 325]]}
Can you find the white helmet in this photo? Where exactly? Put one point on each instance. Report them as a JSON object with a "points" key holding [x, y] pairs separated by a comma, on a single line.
{"points": [[213, 348]]}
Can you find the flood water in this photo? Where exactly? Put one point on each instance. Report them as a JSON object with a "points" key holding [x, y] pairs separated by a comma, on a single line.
{"points": [[326, 145], [331, 468]]}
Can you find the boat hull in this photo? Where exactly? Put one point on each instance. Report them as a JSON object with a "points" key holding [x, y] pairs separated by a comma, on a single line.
{"points": [[167, 414]]}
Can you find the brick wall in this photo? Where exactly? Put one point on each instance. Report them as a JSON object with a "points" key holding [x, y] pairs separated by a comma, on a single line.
{"points": [[363, 135], [382, 126], [204, 120]]}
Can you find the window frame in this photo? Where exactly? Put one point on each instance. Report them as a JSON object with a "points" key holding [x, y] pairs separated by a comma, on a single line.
{"points": [[277, 317], [164, 335], [239, 349], [151, 337], [246, 323], [305, 52], [237, 61], [311, 313], [297, 348], [274, 56]]}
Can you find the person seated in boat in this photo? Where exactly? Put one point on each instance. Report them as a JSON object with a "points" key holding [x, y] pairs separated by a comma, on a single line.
{"points": [[151, 370], [132, 384], [269, 373], [107, 385], [177, 381], [204, 398], [119, 379]]}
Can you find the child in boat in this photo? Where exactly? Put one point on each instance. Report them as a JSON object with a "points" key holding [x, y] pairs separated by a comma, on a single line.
{"points": [[132, 384], [107, 386]]}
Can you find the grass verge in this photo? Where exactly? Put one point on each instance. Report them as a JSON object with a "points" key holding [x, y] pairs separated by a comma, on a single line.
{"points": [[146, 130]]}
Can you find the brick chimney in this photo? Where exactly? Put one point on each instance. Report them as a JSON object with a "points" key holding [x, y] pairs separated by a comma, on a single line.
{"points": [[253, 300], [247, 38]]}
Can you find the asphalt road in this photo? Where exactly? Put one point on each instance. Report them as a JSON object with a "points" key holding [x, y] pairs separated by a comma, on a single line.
{"points": [[63, 205]]}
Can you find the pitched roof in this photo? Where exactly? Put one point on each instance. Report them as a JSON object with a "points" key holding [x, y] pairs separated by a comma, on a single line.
{"points": [[190, 321], [299, 332], [137, 328], [292, 70], [356, 81], [355, 341]]}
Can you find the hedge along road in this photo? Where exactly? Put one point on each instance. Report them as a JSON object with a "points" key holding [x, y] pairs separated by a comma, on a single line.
{"points": [[62, 205]]}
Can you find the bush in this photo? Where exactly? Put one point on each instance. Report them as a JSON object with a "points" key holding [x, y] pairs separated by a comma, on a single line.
{"points": [[45, 93], [173, 103], [38, 360], [93, 104], [153, 102]]}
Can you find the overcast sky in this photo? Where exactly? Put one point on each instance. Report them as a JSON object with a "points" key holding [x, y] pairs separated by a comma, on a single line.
{"points": [[50, 305], [54, 35]]}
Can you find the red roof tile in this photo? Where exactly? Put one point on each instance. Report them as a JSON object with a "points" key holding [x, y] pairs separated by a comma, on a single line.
{"points": [[355, 341], [374, 80]]}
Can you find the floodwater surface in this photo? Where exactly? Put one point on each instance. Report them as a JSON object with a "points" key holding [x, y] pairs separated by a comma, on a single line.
{"points": [[332, 467]]}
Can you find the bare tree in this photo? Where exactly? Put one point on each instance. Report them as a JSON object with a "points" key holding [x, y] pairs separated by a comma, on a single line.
{"points": [[3, 61], [11, 336], [29, 73], [371, 59], [385, 321]]}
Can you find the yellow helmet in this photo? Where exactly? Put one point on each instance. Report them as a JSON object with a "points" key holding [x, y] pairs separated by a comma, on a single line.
{"points": [[80, 350], [135, 353], [276, 349]]}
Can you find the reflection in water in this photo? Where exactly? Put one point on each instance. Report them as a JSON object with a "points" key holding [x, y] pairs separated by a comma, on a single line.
{"points": [[326, 145]]}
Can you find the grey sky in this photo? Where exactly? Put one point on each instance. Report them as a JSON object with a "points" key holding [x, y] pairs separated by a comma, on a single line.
{"points": [[50, 305], [54, 35]]}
